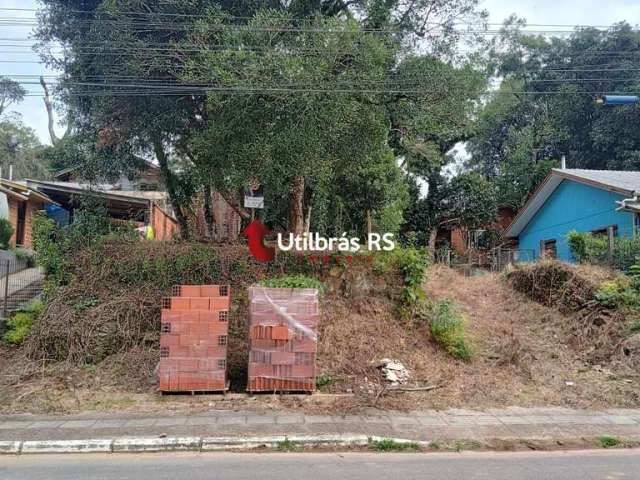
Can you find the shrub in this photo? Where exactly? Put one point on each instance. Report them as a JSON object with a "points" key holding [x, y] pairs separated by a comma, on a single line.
{"points": [[448, 328], [588, 248], [391, 445], [292, 281], [19, 324], [608, 442], [6, 230], [413, 264]]}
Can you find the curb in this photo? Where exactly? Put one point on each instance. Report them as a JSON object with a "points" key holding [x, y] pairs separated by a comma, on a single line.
{"points": [[190, 444]]}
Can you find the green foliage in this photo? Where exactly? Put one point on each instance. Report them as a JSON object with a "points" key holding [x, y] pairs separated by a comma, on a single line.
{"points": [[323, 380], [391, 445], [412, 263], [21, 148], [448, 328], [19, 324], [10, 92], [608, 442], [588, 248], [55, 246], [287, 446], [539, 114], [293, 281], [6, 230]]}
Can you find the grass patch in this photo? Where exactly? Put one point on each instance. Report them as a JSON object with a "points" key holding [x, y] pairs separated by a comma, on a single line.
{"points": [[608, 442], [447, 326], [391, 445], [20, 323], [292, 281], [287, 446]]}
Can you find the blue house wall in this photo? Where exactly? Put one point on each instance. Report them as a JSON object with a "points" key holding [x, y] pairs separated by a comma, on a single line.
{"points": [[574, 206]]}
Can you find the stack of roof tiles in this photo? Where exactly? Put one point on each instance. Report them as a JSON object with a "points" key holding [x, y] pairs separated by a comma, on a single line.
{"points": [[193, 339], [282, 339]]}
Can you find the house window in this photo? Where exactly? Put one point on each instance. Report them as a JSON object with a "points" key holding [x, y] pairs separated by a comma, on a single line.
{"points": [[605, 231], [550, 249]]}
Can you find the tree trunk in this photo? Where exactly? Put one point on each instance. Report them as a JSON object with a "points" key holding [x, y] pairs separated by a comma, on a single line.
{"points": [[296, 206], [433, 236], [234, 204], [209, 217], [171, 182], [49, 106]]}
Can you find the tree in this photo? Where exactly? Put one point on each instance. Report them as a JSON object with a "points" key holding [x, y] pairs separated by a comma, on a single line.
{"points": [[545, 107], [10, 92], [21, 151], [139, 84]]}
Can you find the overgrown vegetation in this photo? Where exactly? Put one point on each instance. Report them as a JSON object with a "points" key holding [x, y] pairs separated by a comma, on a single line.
{"points": [[447, 326], [19, 324], [412, 263], [6, 230], [56, 245], [599, 311], [594, 249], [292, 281]]}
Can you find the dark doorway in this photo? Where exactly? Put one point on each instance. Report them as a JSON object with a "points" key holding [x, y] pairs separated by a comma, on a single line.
{"points": [[550, 249], [22, 215]]}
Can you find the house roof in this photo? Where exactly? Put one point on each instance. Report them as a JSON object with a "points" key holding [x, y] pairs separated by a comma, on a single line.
{"points": [[623, 182], [148, 164], [19, 190]]}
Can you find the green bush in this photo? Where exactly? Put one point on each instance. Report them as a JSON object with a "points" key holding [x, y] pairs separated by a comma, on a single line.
{"points": [[292, 281], [19, 324], [448, 328], [6, 230], [588, 248], [55, 245], [412, 264]]}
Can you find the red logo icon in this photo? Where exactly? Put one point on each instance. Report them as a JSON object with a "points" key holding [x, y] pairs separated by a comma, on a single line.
{"points": [[255, 233]]}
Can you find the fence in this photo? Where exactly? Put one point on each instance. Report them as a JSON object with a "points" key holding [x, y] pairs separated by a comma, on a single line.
{"points": [[495, 260], [20, 282]]}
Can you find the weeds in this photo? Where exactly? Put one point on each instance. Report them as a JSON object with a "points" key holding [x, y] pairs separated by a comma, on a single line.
{"points": [[287, 446], [20, 323], [292, 281], [323, 381], [448, 328], [391, 445], [608, 442]]}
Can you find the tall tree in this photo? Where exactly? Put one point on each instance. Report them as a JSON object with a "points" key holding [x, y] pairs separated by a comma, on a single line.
{"points": [[545, 107]]}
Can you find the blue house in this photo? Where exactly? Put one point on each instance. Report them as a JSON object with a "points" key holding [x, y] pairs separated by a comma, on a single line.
{"points": [[598, 201]]}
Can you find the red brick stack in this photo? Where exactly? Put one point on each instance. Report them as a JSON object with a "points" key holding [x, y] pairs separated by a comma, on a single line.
{"points": [[193, 339], [282, 339]]}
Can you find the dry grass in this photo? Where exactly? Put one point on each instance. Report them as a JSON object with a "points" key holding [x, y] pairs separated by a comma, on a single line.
{"points": [[525, 356]]}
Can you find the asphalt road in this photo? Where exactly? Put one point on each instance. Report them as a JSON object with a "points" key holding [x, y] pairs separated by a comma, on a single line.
{"points": [[587, 465]]}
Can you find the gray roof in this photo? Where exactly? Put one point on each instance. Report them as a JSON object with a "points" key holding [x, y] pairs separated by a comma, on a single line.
{"points": [[618, 179]]}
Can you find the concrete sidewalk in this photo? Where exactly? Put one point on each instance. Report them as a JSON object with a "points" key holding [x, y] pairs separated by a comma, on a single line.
{"points": [[513, 423]]}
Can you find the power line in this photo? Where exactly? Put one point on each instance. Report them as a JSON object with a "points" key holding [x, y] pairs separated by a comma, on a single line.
{"points": [[305, 19]]}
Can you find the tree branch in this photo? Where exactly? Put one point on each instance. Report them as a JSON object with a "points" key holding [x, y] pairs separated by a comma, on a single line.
{"points": [[49, 106]]}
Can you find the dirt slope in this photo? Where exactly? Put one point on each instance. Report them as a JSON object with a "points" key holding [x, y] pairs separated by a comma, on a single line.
{"points": [[523, 357]]}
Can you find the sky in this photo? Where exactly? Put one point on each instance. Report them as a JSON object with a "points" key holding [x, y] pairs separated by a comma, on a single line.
{"points": [[569, 12]]}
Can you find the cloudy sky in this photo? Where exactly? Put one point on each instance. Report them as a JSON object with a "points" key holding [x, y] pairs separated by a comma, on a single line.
{"points": [[570, 12]]}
